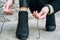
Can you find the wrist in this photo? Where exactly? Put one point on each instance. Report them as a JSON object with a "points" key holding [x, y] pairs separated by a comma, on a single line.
{"points": [[51, 9], [48, 8]]}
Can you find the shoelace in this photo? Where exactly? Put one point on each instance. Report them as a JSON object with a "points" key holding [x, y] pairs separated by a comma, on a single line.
{"points": [[38, 30], [3, 21], [3, 17]]}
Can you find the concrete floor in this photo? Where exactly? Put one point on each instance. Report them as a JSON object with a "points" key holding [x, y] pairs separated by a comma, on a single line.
{"points": [[9, 30]]}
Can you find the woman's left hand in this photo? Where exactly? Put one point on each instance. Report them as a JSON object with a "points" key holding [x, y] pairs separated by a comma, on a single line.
{"points": [[43, 13]]}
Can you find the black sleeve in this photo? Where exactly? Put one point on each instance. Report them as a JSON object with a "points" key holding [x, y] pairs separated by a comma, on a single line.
{"points": [[56, 5]]}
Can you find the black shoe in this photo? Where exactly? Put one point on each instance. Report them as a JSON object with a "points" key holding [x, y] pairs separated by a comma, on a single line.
{"points": [[23, 39], [50, 23], [22, 27], [50, 28]]}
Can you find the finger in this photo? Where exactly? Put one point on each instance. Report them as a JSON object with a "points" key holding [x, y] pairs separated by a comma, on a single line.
{"points": [[43, 16], [7, 6], [3, 5], [38, 16], [41, 12], [34, 13], [4, 8], [11, 5], [10, 12]]}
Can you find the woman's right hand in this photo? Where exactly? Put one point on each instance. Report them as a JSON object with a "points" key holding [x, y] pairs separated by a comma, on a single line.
{"points": [[36, 14]]}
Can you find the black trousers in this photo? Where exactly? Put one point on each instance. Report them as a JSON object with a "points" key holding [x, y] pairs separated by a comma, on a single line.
{"points": [[22, 28]]}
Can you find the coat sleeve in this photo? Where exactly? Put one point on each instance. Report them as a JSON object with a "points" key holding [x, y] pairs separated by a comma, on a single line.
{"points": [[54, 6]]}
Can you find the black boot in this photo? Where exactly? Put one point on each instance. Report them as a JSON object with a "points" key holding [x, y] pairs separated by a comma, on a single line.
{"points": [[50, 23], [22, 31], [23, 39]]}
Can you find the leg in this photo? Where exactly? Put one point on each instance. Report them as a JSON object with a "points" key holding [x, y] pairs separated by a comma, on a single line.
{"points": [[22, 31], [50, 23]]}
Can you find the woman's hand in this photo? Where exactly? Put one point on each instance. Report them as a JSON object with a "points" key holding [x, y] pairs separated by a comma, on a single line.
{"points": [[43, 13], [36, 14], [7, 7]]}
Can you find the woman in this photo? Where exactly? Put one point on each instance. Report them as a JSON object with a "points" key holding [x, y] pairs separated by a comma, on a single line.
{"points": [[39, 8]]}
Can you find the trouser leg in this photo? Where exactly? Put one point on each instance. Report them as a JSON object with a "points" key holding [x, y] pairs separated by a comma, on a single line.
{"points": [[50, 22], [24, 3]]}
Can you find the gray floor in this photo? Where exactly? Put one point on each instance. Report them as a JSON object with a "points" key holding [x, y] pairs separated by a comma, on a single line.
{"points": [[9, 30]]}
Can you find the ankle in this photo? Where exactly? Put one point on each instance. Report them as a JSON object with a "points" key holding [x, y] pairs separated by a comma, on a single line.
{"points": [[23, 9]]}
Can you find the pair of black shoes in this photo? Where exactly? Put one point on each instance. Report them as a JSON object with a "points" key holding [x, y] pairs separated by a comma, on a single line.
{"points": [[23, 30]]}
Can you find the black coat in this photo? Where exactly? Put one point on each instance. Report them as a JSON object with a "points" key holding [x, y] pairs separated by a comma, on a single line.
{"points": [[38, 4]]}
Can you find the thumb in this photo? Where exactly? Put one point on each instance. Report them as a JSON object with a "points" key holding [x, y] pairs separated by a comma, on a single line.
{"points": [[41, 12]]}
